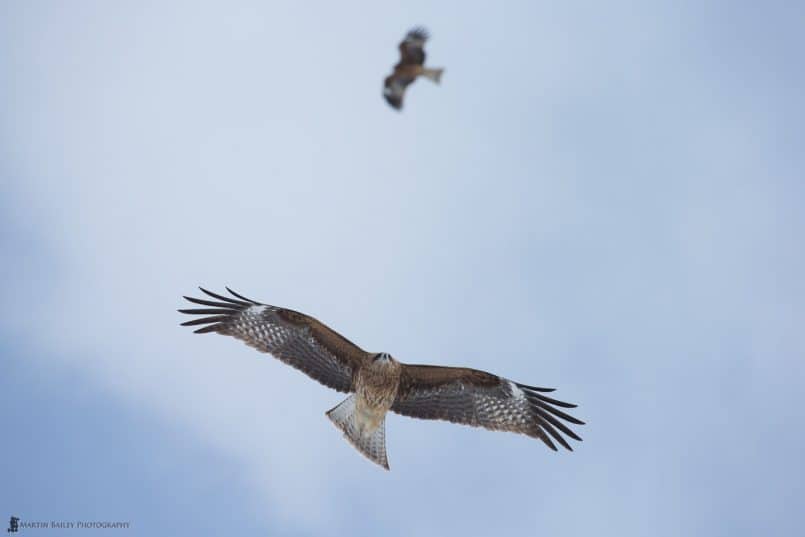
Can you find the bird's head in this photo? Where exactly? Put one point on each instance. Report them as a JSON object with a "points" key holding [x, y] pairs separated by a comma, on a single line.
{"points": [[382, 358]]}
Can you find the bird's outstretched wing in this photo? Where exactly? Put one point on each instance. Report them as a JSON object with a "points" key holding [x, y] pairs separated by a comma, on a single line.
{"points": [[394, 89], [295, 338], [481, 399], [412, 48]]}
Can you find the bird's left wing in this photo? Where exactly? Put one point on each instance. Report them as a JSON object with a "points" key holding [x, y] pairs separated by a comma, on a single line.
{"points": [[481, 399], [394, 90], [295, 338]]}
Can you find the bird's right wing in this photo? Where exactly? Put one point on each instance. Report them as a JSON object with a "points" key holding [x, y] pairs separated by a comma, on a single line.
{"points": [[412, 48], [295, 338]]}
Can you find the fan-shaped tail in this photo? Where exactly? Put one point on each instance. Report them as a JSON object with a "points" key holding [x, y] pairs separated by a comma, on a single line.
{"points": [[434, 75], [372, 445]]}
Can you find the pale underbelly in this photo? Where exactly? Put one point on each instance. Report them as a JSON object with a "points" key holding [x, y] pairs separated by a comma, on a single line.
{"points": [[368, 417]]}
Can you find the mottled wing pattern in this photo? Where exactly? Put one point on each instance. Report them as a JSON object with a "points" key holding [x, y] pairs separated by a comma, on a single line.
{"points": [[295, 338], [394, 90], [412, 48], [480, 399]]}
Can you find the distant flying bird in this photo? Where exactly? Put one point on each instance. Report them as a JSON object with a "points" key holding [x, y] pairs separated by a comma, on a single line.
{"points": [[379, 383], [410, 66]]}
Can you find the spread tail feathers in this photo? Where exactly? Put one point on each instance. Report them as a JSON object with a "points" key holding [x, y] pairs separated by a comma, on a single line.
{"points": [[432, 74], [372, 445]]}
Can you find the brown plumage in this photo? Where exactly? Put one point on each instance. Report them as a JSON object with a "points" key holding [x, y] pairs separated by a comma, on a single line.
{"points": [[379, 382], [409, 68]]}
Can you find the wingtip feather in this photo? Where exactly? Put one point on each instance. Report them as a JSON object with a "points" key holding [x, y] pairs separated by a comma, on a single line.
{"points": [[233, 293], [535, 388], [547, 441], [208, 329]]}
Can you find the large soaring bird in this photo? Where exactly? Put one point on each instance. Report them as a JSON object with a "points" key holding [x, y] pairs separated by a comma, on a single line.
{"points": [[410, 66], [379, 383]]}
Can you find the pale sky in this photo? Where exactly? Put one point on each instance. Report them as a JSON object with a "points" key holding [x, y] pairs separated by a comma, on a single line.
{"points": [[602, 198]]}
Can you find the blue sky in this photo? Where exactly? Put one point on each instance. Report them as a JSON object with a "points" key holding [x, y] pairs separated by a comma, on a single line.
{"points": [[602, 198]]}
